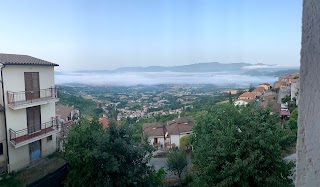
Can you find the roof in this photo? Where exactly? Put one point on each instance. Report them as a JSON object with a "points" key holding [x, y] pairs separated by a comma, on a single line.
{"points": [[291, 76], [154, 129], [175, 127], [258, 89], [274, 106], [63, 111], [248, 94], [267, 84], [14, 59], [180, 125], [104, 122], [270, 94]]}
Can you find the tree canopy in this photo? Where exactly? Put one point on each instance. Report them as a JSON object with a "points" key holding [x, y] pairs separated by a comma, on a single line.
{"points": [[105, 157], [177, 161], [240, 146]]}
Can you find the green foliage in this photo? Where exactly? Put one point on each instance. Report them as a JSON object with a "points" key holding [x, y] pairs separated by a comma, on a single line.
{"points": [[86, 106], [240, 146], [275, 90], [177, 161], [110, 157], [286, 99], [251, 88], [159, 176], [185, 142], [230, 98], [294, 114]]}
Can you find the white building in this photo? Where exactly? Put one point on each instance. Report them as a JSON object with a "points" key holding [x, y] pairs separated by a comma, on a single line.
{"points": [[166, 135], [241, 102], [28, 95]]}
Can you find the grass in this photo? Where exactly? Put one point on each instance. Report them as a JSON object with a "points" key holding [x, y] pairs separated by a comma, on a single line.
{"points": [[10, 180]]}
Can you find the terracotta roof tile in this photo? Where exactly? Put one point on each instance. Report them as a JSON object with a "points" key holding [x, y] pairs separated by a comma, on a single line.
{"points": [[248, 94], [63, 111], [258, 89]]}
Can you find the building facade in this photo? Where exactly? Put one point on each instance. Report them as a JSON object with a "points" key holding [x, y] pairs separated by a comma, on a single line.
{"points": [[28, 95]]}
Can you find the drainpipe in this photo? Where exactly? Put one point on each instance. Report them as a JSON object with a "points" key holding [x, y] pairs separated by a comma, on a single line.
{"points": [[5, 116]]}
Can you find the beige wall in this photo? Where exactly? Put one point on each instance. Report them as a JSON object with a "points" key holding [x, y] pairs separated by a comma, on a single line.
{"points": [[17, 119]]}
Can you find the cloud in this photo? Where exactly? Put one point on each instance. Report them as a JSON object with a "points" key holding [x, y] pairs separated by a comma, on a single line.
{"points": [[153, 78]]}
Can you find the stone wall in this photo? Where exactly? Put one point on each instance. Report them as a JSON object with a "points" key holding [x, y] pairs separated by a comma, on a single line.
{"points": [[308, 147]]}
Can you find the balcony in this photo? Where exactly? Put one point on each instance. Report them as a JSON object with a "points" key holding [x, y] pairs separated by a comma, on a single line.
{"points": [[23, 137], [24, 99]]}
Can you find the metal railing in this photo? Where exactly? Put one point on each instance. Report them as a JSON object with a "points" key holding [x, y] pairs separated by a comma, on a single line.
{"points": [[26, 97], [29, 133]]}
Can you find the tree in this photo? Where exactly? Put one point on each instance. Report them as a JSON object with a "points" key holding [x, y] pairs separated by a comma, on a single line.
{"points": [[230, 98], [177, 161], [240, 146], [106, 157], [294, 114], [251, 88], [185, 142], [286, 99]]}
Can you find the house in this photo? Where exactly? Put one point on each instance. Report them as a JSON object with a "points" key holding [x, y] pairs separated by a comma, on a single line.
{"points": [[270, 96], [65, 116], [259, 91], [266, 86], [288, 78], [67, 113], [167, 135], [278, 84], [156, 133], [178, 128], [247, 96], [274, 107], [241, 102], [28, 126]]}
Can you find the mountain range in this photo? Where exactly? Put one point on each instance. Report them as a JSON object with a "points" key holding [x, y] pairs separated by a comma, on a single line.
{"points": [[199, 67]]}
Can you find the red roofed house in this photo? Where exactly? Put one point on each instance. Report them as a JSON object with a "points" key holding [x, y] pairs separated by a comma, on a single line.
{"points": [[259, 91], [288, 78], [247, 96], [167, 135]]}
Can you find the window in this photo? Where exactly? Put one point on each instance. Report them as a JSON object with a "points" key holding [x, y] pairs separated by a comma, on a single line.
{"points": [[49, 138], [1, 148]]}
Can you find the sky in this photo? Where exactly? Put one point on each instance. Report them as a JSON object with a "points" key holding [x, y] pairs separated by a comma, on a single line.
{"points": [[108, 34]]}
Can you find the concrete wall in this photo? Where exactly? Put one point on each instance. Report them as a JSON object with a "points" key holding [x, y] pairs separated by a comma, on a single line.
{"points": [[308, 147], [17, 119]]}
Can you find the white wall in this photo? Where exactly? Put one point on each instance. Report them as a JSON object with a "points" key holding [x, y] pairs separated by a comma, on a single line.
{"points": [[160, 139], [308, 146], [176, 139]]}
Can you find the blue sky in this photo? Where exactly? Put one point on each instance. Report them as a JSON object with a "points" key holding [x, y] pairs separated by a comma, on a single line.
{"points": [[109, 34]]}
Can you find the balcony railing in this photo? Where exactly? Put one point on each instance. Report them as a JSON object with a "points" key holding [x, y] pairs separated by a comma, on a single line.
{"points": [[25, 136], [26, 98]]}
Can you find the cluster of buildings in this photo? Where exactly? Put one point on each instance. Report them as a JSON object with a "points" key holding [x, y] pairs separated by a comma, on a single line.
{"points": [[285, 87], [167, 135]]}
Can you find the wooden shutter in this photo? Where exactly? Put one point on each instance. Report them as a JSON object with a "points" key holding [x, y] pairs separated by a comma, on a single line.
{"points": [[32, 85], [33, 119]]}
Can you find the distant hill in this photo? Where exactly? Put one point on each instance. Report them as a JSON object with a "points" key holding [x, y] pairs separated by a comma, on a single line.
{"points": [[200, 67], [273, 73]]}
